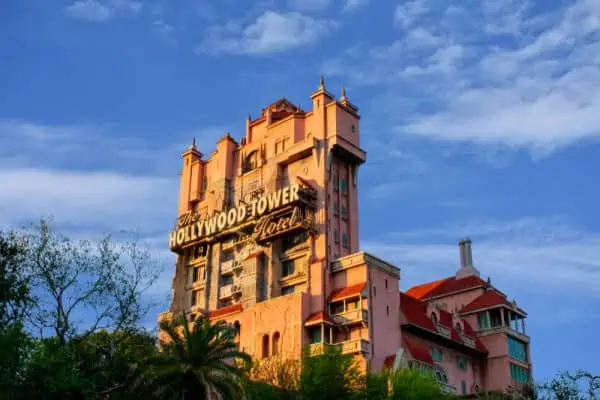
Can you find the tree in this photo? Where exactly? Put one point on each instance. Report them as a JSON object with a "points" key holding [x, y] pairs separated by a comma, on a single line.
{"points": [[581, 385], [330, 375], [278, 372], [102, 280], [410, 384], [15, 299], [196, 362]]}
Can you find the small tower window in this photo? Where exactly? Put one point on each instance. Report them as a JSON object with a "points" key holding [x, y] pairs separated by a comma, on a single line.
{"points": [[250, 162], [353, 128]]}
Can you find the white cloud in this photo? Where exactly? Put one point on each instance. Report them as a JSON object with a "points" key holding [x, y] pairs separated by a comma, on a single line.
{"points": [[272, 32], [102, 199], [90, 10], [309, 5], [538, 88], [351, 5], [530, 255]]}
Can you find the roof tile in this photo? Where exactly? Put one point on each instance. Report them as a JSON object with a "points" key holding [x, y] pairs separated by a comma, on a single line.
{"points": [[348, 291]]}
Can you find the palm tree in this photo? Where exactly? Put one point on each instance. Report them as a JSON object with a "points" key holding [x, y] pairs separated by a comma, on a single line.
{"points": [[198, 363]]}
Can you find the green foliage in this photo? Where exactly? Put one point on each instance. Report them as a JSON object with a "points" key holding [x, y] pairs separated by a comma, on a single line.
{"points": [[409, 384], [330, 375], [376, 386], [198, 361]]}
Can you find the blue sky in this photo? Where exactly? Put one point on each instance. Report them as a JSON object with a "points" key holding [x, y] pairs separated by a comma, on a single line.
{"points": [[480, 118]]}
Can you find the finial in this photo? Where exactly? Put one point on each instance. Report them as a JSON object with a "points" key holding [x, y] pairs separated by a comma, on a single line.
{"points": [[343, 91], [193, 145], [249, 117], [322, 83]]}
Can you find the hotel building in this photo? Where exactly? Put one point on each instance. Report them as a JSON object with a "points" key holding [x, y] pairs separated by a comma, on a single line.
{"points": [[267, 239]]}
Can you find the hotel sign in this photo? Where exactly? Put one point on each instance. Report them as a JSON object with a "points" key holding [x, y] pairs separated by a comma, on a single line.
{"points": [[191, 230]]}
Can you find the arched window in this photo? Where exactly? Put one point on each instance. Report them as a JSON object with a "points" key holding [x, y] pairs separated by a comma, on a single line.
{"points": [[434, 318], [250, 162], [275, 348], [458, 327], [265, 346]]}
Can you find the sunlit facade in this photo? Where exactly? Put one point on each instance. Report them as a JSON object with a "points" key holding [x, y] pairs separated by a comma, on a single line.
{"points": [[267, 239]]}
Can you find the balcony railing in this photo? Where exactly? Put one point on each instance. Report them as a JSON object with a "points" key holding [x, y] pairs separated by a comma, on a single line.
{"points": [[447, 388], [227, 267], [444, 331], [467, 340], [354, 346], [237, 265], [225, 291], [352, 316]]}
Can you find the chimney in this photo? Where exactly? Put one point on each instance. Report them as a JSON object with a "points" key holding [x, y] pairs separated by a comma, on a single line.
{"points": [[461, 253], [466, 259]]}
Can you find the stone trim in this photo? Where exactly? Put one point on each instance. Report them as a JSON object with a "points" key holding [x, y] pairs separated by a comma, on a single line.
{"points": [[362, 258]]}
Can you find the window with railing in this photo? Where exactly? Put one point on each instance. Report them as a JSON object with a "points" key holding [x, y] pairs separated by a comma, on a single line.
{"points": [[344, 212], [336, 209], [336, 236], [437, 354], [345, 243], [461, 363], [288, 268], [517, 349], [519, 374], [344, 186], [483, 320]]}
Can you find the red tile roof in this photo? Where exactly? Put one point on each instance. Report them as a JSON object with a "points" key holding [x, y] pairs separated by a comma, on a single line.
{"points": [[225, 310], [445, 286], [490, 298], [319, 317], [415, 312], [352, 290], [417, 352], [421, 290]]}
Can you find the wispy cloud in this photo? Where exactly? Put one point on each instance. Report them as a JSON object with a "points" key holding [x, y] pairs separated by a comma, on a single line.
{"points": [[93, 10], [309, 5], [89, 10], [488, 72], [271, 32], [530, 255], [351, 5]]}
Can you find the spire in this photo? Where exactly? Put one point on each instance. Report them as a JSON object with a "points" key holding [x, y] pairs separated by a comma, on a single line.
{"points": [[322, 83], [343, 98], [193, 145]]}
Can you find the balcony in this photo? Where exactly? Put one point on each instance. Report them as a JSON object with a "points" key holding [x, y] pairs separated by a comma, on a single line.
{"points": [[225, 291], [352, 317], [447, 388], [444, 331], [316, 349], [467, 340], [238, 265], [227, 267], [354, 346]]}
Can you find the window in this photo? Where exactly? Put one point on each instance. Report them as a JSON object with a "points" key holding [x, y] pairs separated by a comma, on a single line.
{"points": [[484, 322], [495, 318], [336, 209], [195, 274], [352, 304], [344, 186], [336, 236], [353, 128], [437, 355], [434, 318], [227, 280], [315, 334], [387, 309], [345, 240], [287, 268], [287, 290], [386, 286], [204, 184], [250, 162], [195, 297], [374, 291], [337, 308], [275, 348], [344, 212], [336, 183], [265, 346], [463, 387], [461, 363], [519, 373], [517, 349]]}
